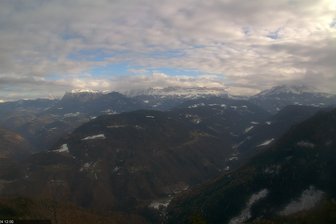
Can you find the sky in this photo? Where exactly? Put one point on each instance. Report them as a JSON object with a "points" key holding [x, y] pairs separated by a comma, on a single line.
{"points": [[48, 47]]}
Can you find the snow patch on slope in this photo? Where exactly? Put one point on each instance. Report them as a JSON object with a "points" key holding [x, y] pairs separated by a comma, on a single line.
{"points": [[305, 144], [72, 114], [246, 212], [63, 148], [117, 126], [249, 129], [99, 136], [308, 199], [150, 116], [267, 142], [159, 204]]}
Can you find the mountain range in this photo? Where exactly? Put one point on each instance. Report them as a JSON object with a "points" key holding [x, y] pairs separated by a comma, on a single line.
{"points": [[278, 97], [106, 154]]}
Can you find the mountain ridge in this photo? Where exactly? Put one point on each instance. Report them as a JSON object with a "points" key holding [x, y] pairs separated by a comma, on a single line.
{"points": [[289, 181]]}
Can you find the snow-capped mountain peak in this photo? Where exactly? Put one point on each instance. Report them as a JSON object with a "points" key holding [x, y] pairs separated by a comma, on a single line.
{"points": [[82, 94], [183, 92], [287, 89], [279, 97], [82, 91], [74, 91]]}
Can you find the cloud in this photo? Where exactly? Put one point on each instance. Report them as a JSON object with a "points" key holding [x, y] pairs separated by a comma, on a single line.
{"points": [[248, 45]]}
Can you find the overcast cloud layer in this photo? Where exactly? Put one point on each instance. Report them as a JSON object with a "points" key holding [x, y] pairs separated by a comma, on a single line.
{"points": [[48, 47]]}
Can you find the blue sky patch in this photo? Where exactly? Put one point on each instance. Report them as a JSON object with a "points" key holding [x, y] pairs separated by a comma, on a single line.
{"points": [[274, 34]]}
